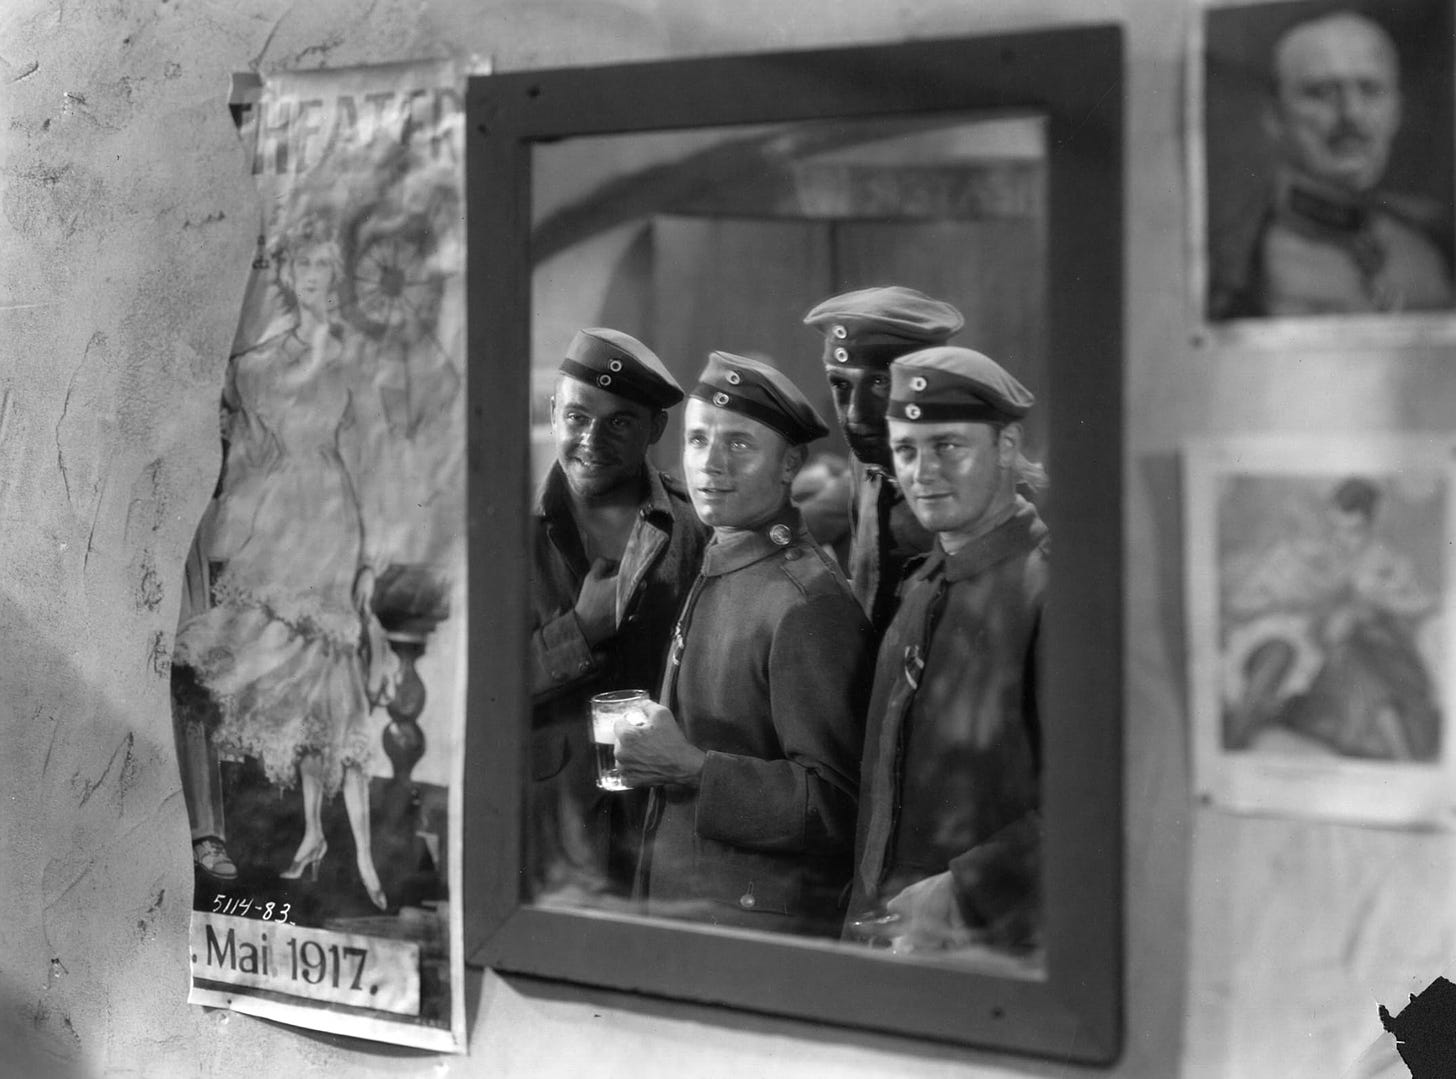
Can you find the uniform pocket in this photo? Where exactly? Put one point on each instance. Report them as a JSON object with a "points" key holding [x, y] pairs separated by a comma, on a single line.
{"points": [[750, 881]]}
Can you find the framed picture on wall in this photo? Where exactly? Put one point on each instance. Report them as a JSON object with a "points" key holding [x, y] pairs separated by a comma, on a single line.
{"points": [[1319, 605], [1320, 138], [707, 205]]}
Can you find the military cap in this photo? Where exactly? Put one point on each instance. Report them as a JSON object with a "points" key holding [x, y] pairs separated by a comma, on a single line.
{"points": [[622, 365], [761, 393], [949, 384], [869, 327]]}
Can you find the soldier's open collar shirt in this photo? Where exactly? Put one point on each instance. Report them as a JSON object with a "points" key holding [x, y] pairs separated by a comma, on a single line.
{"points": [[662, 557]]}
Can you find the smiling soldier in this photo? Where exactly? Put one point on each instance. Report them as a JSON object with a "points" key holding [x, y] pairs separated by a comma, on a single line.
{"points": [[754, 749], [615, 547], [949, 834]]}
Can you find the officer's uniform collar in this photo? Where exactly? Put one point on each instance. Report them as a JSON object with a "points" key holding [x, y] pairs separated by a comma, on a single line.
{"points": [[1320, 206], [734, 550]]}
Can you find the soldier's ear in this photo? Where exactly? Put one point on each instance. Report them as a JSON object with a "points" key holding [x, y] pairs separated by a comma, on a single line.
{"points": [[1008, 444], [659, 425], [794, 460], [551, 407]]}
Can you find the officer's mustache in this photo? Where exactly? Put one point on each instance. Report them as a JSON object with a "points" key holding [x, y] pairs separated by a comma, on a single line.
{"points": [[1349, 133]]}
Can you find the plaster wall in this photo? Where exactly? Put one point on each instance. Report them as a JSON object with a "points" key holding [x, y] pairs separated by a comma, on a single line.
{"points": [[1255, 947]]}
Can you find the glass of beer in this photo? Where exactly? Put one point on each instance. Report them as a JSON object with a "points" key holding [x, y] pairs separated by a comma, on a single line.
{"points": [[606, 709]]}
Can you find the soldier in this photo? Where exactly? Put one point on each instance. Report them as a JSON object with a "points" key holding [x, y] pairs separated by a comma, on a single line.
{"points": [[863, 331], [754, 749], [615, 547], [949, 835]]}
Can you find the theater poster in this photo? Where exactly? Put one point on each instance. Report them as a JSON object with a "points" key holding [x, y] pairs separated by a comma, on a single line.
{"points": [[317, 678], [1320, 603]]}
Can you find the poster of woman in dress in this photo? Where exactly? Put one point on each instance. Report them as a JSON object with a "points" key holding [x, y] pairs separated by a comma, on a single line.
{"points": [[317, 674], [1319, 604]]}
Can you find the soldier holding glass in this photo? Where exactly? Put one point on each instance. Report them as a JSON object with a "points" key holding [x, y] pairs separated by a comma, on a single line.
{"points": [[754, 749]]}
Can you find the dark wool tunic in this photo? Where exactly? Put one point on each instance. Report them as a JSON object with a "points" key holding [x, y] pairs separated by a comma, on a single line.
{"points": [[770, 679], [952, 756], [582, 835]]}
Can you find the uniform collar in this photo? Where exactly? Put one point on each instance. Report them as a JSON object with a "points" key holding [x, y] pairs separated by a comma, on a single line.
{"points": [[1021, 532], [552, 497], [1319, 206], [658, 502], [739, 549]]}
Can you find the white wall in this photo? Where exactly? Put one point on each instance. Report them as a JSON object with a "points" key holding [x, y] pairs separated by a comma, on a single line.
{"points": [[1255, 947]]}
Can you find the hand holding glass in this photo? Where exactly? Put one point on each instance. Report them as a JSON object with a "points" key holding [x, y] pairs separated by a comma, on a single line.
{"points": [[606, 709]]}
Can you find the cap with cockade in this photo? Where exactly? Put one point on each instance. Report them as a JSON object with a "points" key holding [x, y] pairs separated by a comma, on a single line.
{"points": [[950, 385], [621, 364], [760, 392], [871, 326]]}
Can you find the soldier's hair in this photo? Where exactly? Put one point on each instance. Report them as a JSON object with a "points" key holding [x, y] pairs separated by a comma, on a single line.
{"points": [[1025, 472]]}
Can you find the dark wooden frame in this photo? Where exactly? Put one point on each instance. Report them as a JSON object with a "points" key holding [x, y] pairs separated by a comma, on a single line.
{"points": [[1071, 77]]}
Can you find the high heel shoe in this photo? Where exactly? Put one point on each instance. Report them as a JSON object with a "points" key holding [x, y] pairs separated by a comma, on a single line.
{"points": [[370, 879], [306, 861]]}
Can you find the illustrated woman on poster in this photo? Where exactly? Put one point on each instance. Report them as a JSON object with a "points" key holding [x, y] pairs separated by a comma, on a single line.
{"points": [[1327, 641], [291, 650]]}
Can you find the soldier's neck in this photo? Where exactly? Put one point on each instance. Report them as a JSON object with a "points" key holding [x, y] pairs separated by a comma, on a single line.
{"points": [[999, 514], [605, 521], [725, 532], [605, 529]]}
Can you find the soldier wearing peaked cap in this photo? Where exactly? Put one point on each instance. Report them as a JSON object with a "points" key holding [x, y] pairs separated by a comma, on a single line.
{"points": [[864, 331], [615, 547], [949, 837], [753, 752]]}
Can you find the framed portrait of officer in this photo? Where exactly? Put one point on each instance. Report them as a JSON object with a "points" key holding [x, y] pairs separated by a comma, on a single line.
{"points": [[727, 314], [1321, 167]]}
